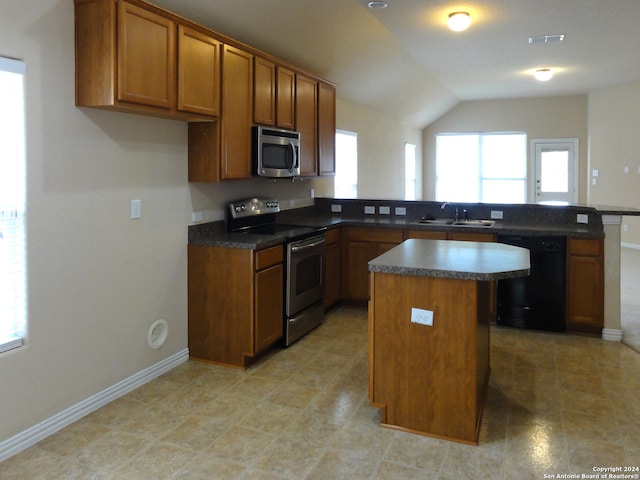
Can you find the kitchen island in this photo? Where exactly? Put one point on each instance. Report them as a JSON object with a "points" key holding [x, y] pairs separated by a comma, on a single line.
{"points": [[429, 333]]}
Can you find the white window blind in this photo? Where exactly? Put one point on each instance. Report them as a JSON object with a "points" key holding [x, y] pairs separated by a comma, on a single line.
{"points": [[12, 205], [346, 178], [481, 167], [409, 171]]}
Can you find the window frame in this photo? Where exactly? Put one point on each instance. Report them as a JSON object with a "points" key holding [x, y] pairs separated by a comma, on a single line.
{"points": [[13, 309]]}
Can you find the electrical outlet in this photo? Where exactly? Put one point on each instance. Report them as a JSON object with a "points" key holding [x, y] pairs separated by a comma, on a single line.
{"points": [[384, 210], [625, 227], [422, 317], [582, 218], [196, 217], [336, 208], [497, 214], [369, 210], [400, 211]]}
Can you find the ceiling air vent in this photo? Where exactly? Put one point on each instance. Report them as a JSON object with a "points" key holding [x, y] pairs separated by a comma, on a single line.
{"points": [[547, 38]]}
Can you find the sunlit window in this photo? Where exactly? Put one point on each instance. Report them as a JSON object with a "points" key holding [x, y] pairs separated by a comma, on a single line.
{"points": [[409, 171], [346, 179], [481, 167], [12, 204]]}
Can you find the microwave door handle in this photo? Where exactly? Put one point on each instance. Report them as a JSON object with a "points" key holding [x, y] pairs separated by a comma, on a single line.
{"points": [[294, 157]]}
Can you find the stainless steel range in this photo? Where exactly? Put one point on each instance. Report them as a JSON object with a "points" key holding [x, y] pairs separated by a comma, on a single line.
{"points": [[304, 261]]}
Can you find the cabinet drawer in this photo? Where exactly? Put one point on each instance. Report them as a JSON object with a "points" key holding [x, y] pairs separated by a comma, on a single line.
{"points": [[375, 235], [333, 236], [268, 257], [427, 234], [590, 246]]}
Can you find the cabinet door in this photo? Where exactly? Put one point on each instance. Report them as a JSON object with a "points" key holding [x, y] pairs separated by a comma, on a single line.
{"points": [[264, 91], [332, 275], [285, 98], [306, 124], [585, 286], [146, 57], [357, 273], [198, 72], [237, 113], [268, 306], [326, 129]]}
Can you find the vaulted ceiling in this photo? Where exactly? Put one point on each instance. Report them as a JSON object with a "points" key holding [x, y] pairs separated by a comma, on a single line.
{"points": [[404, 62]]}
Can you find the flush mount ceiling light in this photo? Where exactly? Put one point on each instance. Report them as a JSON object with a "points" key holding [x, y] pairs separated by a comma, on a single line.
{"points": [[377, 5], [459, 21], [543, 74]]}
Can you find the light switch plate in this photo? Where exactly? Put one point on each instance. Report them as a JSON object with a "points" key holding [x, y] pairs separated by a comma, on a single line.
{"points": [[422, 317], [497, 214], [136, 209]]}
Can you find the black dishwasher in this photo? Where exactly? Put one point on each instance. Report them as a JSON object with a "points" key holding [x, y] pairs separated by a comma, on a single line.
{"points": [[536, 301]]}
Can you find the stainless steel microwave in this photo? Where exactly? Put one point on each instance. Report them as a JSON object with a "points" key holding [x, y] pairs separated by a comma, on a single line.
{"points": [[276, 153]]}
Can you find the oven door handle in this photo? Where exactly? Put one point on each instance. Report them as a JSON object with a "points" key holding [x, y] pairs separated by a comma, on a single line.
{"points": [[306, 246]]}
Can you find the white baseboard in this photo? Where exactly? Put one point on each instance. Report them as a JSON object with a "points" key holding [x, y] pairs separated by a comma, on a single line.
{"points": [[42, 430], [612, 334], [635, 246]]}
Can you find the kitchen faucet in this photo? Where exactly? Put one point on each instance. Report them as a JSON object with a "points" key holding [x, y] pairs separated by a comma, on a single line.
{"points": [[456, 215]]}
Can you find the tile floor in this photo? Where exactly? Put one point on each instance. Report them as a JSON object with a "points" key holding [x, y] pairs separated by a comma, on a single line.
{"points": [[557, 404]]}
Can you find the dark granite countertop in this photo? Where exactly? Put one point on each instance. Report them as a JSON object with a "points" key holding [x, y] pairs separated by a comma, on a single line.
{"points": [[453, 259], [530, 220]]}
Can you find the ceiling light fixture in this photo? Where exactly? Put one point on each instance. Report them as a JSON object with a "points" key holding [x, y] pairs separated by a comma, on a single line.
{"points": [[459, 21], [543, 74], [377, 5]]}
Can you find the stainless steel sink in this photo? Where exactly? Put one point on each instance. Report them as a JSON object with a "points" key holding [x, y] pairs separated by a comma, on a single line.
{"points": [[458, 223]]}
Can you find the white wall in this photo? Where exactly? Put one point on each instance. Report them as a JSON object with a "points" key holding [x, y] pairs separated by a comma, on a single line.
{"points": [[548, 117], [96, 279], [380, 150], [614, 121]]}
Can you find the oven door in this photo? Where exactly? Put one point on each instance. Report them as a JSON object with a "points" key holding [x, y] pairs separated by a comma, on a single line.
{"points": [[305, 279]]}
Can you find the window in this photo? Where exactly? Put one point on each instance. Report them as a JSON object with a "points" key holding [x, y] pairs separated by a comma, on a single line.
{"points": [[409, 171], [481, 167], [346, 179], [12, 205]]}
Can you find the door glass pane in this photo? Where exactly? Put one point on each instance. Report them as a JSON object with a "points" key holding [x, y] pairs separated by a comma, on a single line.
{"points": [[554, 171]]}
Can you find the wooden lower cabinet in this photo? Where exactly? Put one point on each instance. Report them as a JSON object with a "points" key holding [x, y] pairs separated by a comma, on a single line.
{"points": [[361, 246], [333, 256], [430, 380], [585, 285], [235, 302]]}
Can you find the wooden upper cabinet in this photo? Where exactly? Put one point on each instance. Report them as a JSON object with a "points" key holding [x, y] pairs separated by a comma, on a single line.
{"points": [[264, 91], [198, 72], [285, 98], [307, 124], [274, 91], [326, 129], [237, 113], [146, 57]]}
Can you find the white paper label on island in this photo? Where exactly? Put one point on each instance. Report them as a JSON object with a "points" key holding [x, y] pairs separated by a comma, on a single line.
{"points": [[423, 317]]}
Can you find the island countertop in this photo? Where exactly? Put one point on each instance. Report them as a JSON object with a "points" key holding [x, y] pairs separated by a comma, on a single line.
{"points": [[453, 259]]}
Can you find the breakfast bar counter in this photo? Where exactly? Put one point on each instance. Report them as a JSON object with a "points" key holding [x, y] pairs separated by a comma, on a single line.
{"points": [[429, 333]]}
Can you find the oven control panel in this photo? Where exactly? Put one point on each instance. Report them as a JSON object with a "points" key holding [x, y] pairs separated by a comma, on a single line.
{"points": [[253, 206]]}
